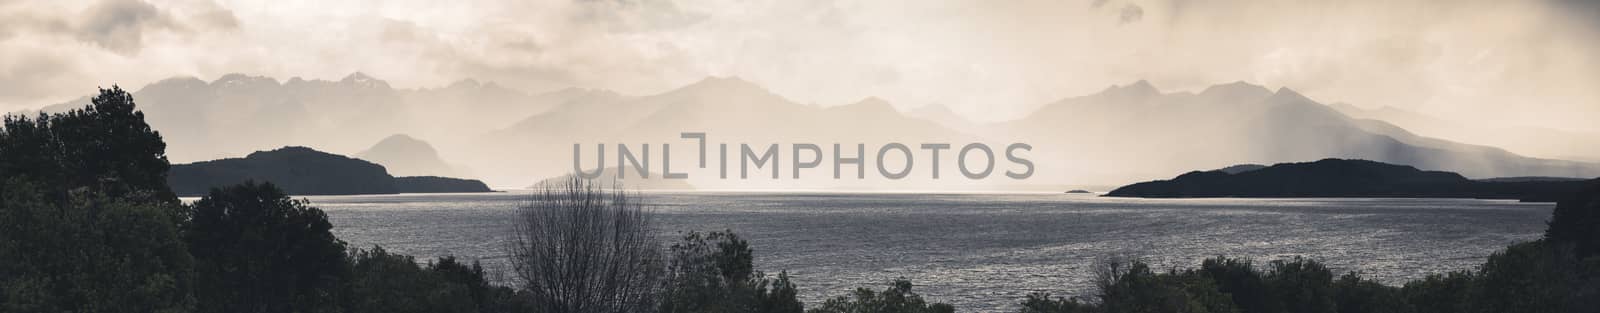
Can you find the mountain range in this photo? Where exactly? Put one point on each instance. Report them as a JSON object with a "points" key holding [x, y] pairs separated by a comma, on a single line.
{"points": [[507, 137]]}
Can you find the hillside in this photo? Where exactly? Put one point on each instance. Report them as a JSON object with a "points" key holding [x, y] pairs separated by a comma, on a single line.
{"points": [[304, 171], [1344, 178], [407, 156]]}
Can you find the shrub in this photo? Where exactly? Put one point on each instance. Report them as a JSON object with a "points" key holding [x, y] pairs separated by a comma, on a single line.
{"points": [[715, 272], [898, 298]]}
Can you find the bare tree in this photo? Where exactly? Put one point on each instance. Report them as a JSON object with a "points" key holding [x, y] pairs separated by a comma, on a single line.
{"points": [[582, 248]]}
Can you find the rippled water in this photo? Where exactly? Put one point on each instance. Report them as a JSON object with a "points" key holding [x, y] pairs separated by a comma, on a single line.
{"points": [[985, 252]]}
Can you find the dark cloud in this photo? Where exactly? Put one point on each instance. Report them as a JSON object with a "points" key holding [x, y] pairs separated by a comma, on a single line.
{"points": [[120, 25], [1130, 13]]}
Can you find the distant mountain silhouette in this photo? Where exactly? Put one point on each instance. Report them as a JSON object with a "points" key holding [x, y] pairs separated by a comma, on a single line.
{"points": [[942, 115], [730, 110], [304, 171], [407, 156], [1124, 133], [608, 178], [238, 113], [1136, 130], [1344, 178], [1536, 141]]}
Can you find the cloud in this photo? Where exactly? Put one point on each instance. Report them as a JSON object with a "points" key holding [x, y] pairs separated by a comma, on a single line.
{"points": [[1512, 61], [1130, 13], [119, 25]]}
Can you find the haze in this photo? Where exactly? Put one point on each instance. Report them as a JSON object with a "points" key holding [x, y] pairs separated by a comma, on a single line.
{"points": [[499, 90], [1528, 63]]}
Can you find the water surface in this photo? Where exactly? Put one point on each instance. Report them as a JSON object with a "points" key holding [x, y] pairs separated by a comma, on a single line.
{"points": [[985, 252]]}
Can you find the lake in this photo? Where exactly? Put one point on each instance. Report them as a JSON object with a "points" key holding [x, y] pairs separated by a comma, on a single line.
{"points": [[985, 252]]}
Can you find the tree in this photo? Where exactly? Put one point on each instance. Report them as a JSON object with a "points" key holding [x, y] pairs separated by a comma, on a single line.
{"points": [[92, 254], [580, 248], [259, 251], [87, 223], [105, 146], [898, 298], [1576, 221], [715, 272], [1526, 277]]}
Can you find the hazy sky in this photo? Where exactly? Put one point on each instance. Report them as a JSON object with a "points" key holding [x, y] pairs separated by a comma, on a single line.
{"points": [[1521, 62]]}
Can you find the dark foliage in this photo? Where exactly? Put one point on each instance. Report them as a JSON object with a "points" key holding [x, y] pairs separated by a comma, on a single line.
{"points": [[1239, 279], [1042, 303], [1130, 286], [1576, 221], [256, 250], [385, 283], [1557, 274], [898, 298], [1440, 293], [105, 146], [92, 254], [87, 223], [1352, 294], [715, 272]]}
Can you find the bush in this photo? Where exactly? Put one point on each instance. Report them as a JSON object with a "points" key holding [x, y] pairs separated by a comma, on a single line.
{"points": [[384, 282], [1240, 280], [898, 298], [1042, 303], [1130, 286], [1440, 293], [1351, 294], [715, 272], [1299, 285]]}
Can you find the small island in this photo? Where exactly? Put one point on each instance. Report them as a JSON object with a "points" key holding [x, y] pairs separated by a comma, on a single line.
{"points": [[1346, 178], [305, 171], [1079, 191]]}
